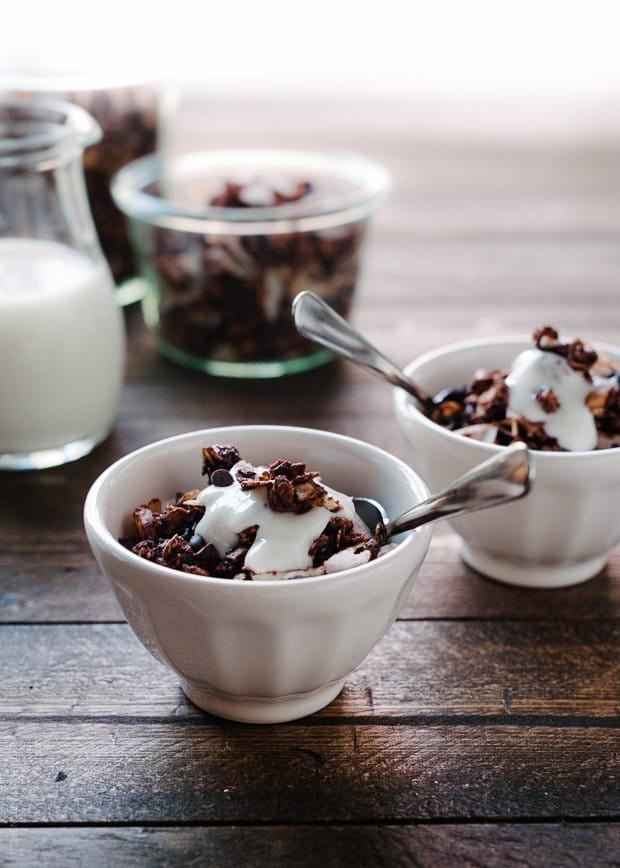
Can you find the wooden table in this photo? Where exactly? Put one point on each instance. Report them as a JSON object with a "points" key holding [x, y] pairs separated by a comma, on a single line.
{"points": [[485, 728]]}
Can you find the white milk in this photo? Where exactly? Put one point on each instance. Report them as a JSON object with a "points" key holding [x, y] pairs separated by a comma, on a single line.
{"points": [[61, 347]]}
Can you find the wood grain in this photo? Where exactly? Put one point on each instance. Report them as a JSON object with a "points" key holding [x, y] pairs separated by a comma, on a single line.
{"points": [[553, 845], [201, 772], [484, 729], [495, 671]]}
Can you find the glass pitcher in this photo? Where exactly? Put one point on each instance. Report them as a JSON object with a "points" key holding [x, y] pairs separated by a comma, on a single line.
{"points": [[62, 340]]}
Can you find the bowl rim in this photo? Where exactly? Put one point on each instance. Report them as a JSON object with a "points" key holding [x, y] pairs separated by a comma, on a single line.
{"points": [[405, 407], [372, 184], [94, 524]]}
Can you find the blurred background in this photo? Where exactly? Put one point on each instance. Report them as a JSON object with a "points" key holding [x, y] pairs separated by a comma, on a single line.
{"points": [[464, 57], [499, 123]]}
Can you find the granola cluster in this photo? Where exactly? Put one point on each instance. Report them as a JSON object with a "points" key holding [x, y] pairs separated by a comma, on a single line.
{"points": [[259, 195], [481, 408], [165, 533], [227, 297]]}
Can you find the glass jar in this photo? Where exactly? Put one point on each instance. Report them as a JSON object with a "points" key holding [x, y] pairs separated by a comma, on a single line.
{"points": [[62, 341], [128, 112], [226, 239]]}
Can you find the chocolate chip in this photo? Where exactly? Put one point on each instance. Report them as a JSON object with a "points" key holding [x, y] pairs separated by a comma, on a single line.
{"points": [[221, 478]]}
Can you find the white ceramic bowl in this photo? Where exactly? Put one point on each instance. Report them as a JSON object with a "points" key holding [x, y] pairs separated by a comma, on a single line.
{"points": [[561, 533], [256, 651]]}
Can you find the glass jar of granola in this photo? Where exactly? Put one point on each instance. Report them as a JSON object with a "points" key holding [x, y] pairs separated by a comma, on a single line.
{"points": [[228, 238], [128, 111]]}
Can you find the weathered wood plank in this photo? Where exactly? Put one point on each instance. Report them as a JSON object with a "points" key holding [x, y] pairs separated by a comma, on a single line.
{"points": [[206, 772], [56, 594], [553, 845], [484, 701], [35, 587], [504, 671], [446, 585]]}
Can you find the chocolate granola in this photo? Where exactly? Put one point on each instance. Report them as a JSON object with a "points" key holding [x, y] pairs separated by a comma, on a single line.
{"points": [[227, 297], [165, 533], [128, 117], [480, 408]]}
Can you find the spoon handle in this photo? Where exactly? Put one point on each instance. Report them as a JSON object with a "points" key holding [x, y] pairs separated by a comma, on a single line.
{"points": [[316, 320], [504, 477]]}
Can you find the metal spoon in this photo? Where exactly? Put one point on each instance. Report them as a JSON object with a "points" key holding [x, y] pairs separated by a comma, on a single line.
{"points": [[506, 476], [316, 320]]}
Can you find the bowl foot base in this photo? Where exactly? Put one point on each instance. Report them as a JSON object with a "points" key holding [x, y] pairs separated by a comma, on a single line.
{"points": [[257, 710], [532, 575]]}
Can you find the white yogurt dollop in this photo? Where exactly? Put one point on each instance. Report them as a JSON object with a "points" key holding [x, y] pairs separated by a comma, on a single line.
{"points": [[572, 424], [283, 538]]}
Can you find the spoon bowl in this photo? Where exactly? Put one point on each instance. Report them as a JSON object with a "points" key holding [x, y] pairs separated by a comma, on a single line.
{"points": [[506, 476]]}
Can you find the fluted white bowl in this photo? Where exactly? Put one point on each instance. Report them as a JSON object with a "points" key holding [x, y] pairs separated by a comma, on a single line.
{"points": [[259, 651], [561, 533]]}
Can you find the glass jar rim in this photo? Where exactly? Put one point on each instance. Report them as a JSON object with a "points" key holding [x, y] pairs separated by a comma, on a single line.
{"points": [[368, 183], [35, 130]]}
